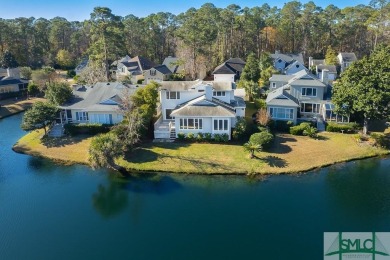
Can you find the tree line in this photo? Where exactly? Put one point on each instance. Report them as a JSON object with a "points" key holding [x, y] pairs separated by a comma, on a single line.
{"points": [[202, 38]]}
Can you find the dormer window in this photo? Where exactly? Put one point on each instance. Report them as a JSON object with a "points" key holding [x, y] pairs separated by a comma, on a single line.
{"points": [[279, 61], [297, 65], [219, 93], [273, 85]]}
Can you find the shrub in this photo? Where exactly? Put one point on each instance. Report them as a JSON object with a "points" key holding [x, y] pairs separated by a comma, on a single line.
{"points": [[190, 136], [181, 136], [90, 129], [280, 126], [381, 140], [264, 139], [298, 130], [310, 131], [71, 73], [217, 138], [225, 138], [208, 137], [240, 128], [200, 137], [260, 103], [342, 128]]}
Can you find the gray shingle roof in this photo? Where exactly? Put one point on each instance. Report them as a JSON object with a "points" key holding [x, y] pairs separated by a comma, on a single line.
{"points": [[187, 85], [281, 97], [231, 66], [91, 97], [201, 107], [288, 57], [10, 81], [143, 63], [163, 69], [331, 68], [171, 63]]}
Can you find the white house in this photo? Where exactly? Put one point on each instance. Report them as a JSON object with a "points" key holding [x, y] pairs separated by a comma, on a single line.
{"points": [[326, 73], [300, 96], [293, 67], [346, 59], [134, 67], [282, 61], [229, 71], [96, 104], [197, 107]]}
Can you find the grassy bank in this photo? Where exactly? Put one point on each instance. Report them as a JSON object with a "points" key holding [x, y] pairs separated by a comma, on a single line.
{"points": [[10, 107], [290, 154], [68, 150]]}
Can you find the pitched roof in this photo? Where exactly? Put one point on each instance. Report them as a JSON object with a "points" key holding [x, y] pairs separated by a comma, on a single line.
{"points": [[10, 81], [281, 77], [201, 107], [331, 68], [163, 69], [143, 63], [231, 66], [103, 96], [317, 62], [171, 63], [288, 57], [295, 63], [348, 56], [187, 85], [281, 97]]}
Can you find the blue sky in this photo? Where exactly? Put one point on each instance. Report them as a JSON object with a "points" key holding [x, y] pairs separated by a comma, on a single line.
{"points": [[81, 9]]}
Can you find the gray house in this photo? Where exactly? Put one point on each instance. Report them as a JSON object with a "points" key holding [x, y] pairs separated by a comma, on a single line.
{"points": [[283, 62], [10, 82], [158, 74], [346, 59]]}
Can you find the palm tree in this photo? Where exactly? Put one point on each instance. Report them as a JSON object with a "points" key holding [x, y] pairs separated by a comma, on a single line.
{"points": [[310, 131], [104, 149], [252, 147]]}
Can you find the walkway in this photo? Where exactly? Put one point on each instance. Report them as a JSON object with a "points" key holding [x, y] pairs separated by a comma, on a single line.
{"points": [[56, 131]]}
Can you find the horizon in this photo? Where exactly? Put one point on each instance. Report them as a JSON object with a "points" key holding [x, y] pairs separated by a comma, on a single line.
{"points": [[49, 9]]}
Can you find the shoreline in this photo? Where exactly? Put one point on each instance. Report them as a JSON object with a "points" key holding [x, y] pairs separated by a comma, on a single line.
{"points": [[64, 155]]}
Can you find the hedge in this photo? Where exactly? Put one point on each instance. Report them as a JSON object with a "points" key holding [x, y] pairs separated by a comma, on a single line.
{"points": [[298, 130], [342, 128], [90, 129]]}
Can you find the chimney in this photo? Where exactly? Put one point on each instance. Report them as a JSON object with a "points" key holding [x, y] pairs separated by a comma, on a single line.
{"points": [[325, 76], [310, 61], [209, 92]]}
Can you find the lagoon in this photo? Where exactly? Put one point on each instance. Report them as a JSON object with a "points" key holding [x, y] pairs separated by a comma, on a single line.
{"points": [[50, 211]]}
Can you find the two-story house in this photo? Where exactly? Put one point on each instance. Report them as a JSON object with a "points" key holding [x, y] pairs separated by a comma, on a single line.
{"points": [[230, 70], [346, 59], [197, 107], [133, 67], [288, 63]]}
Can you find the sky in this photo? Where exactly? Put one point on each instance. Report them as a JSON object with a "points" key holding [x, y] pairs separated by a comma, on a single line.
{"points": [[78, 10]]}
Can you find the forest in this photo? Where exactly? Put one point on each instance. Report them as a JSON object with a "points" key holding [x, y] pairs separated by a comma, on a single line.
{"points": [[202, 38]]}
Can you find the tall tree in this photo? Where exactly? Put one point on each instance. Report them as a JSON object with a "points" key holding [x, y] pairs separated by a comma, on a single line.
{"points": [[364, 88], [331, 56], [7, 60], [39, 116]]}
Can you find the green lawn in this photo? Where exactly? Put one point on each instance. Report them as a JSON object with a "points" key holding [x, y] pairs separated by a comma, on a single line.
{"points": [[290, 154]]}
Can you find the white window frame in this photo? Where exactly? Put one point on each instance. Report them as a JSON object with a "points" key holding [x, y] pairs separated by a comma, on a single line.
{"points": [[219, 93], [221, 123], [288, 113], [304, 92], [190, 123], [317, 107], [82, 116], [172, 95]]}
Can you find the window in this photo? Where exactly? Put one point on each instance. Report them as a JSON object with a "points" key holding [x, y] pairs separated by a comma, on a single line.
{"points": [[82, 116], [221, 124], [273, 85], [168, 113], [152, 72], [310, 108], [191, 123], [281, 113], [309, 92], [101, 118], [173, 95], [219, 93]]}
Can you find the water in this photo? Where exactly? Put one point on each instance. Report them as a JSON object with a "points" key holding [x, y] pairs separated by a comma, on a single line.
{"points": [[49, 211]]}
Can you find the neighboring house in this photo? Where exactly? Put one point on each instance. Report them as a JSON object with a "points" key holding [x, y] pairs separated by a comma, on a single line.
{"points": [[11, 83], [197, 107], [158, 74], [229, 71], [173, 64], [95, 104], [326, 73], [300, 92], [294, 67], [82, 65], [134, 68], [315, 62], [282, 61], [346, 59]]}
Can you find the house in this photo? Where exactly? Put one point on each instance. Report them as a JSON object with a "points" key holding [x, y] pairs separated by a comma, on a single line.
{"points": [[283, 61], [229, 71], [295, 96], [346, 59], [95, 104], [10, 83], [133, 68], [173, 64], [197, 107], [293, 67], [326, 73], [82, 65], [158, 74], [315, 62]]}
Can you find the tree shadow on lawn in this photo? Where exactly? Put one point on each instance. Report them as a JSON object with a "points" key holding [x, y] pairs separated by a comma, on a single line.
{"points": [[275, 161], [279, 146], [62, 141], [144, 155]]}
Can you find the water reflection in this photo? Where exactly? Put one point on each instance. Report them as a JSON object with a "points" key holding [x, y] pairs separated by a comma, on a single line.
{"points": [[151, 184], [361, 188], [109, 201]]}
